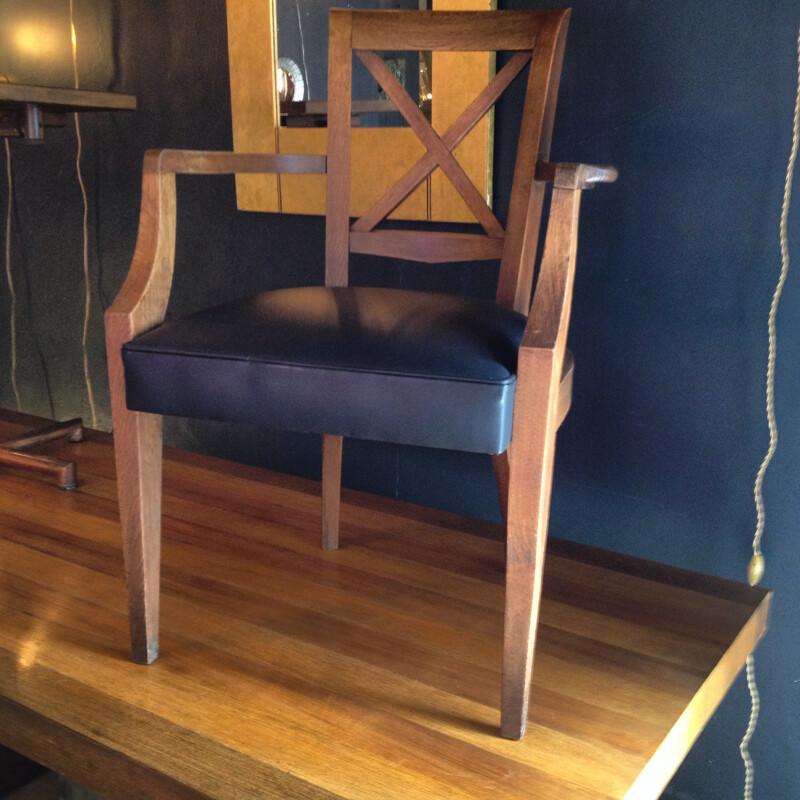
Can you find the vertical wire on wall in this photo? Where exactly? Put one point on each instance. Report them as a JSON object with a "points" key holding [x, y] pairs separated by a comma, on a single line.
{"points": [[756, 567], [10, 279], [744, 747], [303, 51], [87, 304]]}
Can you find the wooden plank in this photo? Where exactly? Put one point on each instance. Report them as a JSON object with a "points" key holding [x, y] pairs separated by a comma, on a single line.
{"points": [[431, 248], [254, 101], [207, 162], [56, 99], [372, 671], [471, 31]]}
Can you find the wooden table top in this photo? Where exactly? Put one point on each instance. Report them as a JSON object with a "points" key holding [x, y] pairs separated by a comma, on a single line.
{"points": [[369, 672]]}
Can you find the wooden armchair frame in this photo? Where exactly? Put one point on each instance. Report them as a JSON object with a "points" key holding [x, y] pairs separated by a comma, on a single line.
{"points": [[140, 306], [544, 373]]}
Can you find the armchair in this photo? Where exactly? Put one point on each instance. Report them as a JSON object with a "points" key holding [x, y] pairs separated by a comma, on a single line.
{"points": [[398, 366]]}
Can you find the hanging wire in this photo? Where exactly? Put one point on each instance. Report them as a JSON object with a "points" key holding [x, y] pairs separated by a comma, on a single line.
{"points": [[303, 49], [87, 303], [757, 564], [755, 569], [10, 279], [744, 747]]}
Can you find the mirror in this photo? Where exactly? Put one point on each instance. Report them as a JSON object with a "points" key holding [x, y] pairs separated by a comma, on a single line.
{"points": [[278, 52], [302, 67]]}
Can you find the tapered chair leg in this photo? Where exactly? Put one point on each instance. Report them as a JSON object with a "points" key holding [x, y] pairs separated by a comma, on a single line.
{"points": [[524, 568], [529, 487], [331, 490], [138, 452]]}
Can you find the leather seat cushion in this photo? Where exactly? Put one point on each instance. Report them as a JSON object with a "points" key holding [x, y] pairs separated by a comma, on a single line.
{"points": [[385, 364]]}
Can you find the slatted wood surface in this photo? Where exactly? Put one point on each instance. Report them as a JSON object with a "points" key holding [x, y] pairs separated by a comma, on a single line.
{"points": [[369, 672]]}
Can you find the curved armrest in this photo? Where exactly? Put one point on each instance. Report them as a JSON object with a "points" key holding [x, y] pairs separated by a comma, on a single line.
{"points": [[142, 301]]}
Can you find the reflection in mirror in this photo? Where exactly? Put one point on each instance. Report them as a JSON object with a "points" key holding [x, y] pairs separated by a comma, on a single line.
{"points": [[457, 78], [290, 80], [302, 68]]}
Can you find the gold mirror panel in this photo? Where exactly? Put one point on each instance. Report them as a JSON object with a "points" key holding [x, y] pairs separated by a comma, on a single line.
{"points": [[456, 79]]}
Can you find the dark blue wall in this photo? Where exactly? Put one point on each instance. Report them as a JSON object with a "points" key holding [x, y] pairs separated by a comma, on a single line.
{"points": [[693, 102], [677, 263]]}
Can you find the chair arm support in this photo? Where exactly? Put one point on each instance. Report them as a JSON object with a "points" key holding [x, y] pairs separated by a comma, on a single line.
{"points": [[208, 162], [548, 320], [549, 317], [142, 301], [574, 176], [540, 367]]}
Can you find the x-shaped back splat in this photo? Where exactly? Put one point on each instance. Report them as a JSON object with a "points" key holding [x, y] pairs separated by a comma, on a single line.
{"points": [[439, 148]]}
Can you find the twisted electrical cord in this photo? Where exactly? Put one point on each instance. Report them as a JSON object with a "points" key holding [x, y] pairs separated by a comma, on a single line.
{"points": [[10, 279], [87, 302], [755, 569]]}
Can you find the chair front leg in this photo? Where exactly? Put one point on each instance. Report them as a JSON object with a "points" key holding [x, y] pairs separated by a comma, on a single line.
{"points": [[138, 452], [529, 487]]}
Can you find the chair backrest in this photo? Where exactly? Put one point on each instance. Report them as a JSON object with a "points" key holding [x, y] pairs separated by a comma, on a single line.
{"points": [[535, 38]]}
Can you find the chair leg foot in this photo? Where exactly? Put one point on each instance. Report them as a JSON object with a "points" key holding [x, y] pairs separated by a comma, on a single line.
{"points": [[331, 490], [145, 652], [523, 582], [512, 729]]}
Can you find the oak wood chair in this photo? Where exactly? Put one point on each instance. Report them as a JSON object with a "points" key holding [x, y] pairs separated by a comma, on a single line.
{"points": [[392, 365]]}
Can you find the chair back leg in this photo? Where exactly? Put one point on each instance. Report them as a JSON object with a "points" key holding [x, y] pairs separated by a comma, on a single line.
{"points": [[501, 468], [138, 452], [331, 490]]}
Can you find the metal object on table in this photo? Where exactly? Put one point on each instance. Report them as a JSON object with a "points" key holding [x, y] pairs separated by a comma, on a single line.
{"points": [[64, 471]]}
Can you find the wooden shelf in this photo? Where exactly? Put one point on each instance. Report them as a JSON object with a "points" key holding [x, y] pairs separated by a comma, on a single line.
{"points": [[369, 672], [64, 100], [26, 110]]}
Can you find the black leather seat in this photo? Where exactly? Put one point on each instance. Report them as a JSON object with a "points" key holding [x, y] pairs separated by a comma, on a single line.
{"points": [[385, 364]]}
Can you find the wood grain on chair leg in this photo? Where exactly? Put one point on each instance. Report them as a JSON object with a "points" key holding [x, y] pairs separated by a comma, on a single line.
{"points": [[530, 481], [331, 490], [525, 550], [138, 456], [539, 406], [138, 450], [141, 305]]}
